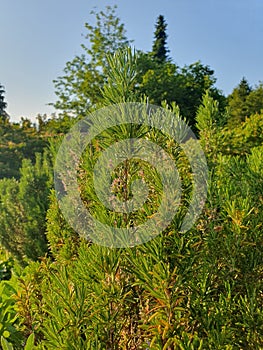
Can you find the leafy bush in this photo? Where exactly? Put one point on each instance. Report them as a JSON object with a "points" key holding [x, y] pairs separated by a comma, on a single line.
{"points": [[9, 320], [28, 346]]}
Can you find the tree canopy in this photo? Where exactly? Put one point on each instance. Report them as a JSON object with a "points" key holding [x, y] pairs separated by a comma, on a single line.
{"points": [[157, 77], [80, 87]]}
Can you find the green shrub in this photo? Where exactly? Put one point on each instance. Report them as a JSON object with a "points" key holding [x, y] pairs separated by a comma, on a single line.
{"points": [[23, 210], [201, 289]]}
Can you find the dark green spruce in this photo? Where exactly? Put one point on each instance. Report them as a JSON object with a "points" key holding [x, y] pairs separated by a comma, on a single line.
{"points": [[159, 50]]}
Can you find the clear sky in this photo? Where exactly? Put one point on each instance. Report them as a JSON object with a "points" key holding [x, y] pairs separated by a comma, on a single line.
{"points": [[39, 36]]}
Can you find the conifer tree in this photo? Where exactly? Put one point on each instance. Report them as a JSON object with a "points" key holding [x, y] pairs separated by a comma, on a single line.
{"points": [[237, 102], [175, 291], [23, 206], [3, 104], [207, 120], [159, 50], [255, 100]]}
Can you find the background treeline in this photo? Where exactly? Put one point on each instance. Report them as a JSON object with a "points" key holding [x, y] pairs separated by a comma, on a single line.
{"points": [[197, 290]]}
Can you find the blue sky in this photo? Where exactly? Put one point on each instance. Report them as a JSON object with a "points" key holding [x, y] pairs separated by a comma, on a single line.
{"points": [[39, 36]]}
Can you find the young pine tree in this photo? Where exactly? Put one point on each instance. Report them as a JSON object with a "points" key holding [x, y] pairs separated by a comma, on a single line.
{"points": [[207, 120]]}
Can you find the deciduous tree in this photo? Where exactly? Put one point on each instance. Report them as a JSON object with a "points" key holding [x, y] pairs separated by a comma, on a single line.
{"points": [[80, 86]]}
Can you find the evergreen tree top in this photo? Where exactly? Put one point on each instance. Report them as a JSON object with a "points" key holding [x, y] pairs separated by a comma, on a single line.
{"points": [[3, 104], [159, 50]]}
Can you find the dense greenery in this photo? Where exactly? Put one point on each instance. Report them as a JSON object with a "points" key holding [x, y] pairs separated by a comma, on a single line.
{"points": [[245, 101], [201, 289], [79, 90], [23, 207]]}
